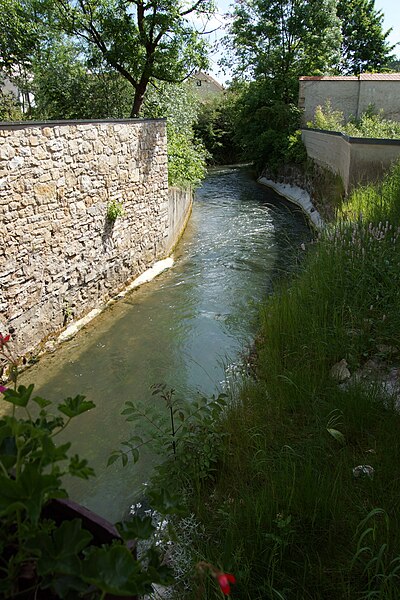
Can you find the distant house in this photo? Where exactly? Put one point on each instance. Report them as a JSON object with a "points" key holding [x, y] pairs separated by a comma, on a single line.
{"points": [[205, 86], [351, 94], [7, 86]]}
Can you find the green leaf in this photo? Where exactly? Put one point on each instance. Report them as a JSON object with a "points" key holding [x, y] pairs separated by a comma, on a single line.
{"points": [[41, 401], [135, 455], [162, 573], [114, 571], [60, 550], [136, 528], [29, 492], [19, 397], [166, 502], [113, 457], [78, 468], [339, 437], [69, 587], [72, 407], [8, 447]]}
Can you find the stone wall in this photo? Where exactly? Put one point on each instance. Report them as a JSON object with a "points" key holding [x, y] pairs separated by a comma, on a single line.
{"points": [[350, 94], [60, 256], [356, 160]]}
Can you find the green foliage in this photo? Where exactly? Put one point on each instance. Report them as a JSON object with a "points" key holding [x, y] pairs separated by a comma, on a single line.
{"points": [[39, 558], [66, 86], [369, 125], [266, 128], [185, 433], [186, 154], [275, 42], [186, 160], [114, 210], [20, 35], [215, 126], [365, 47], [142, 42], [279, 40], [327, 118], [10, 109]]}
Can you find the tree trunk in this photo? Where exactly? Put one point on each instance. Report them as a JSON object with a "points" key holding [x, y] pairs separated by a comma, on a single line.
{"points": [[139, 96]]}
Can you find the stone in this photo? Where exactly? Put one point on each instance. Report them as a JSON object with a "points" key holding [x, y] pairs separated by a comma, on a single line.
{"points": [[16, 162], [362, 471], [340, 372], [6, 152]]}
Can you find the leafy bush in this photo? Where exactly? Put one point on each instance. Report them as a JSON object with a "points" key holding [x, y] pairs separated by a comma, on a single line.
{"points": [[186, 435], [186, 154], [215, 126], [369, 125], [264, 127]]}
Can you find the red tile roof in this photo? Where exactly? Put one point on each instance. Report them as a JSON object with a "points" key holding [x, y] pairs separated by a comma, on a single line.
{"points": [[362, 77], [328, 78]]}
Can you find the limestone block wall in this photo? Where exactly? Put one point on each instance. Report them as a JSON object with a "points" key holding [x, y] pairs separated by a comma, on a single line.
{"points": [[60, 256], [356, 160]]}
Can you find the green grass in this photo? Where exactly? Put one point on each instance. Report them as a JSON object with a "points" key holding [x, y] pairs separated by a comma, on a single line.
{"points": [[285, 513]]}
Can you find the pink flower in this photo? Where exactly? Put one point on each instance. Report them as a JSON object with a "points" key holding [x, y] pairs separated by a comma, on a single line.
{"points": [[2, 389], [224, 580]]}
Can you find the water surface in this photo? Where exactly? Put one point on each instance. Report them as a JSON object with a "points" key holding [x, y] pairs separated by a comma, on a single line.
{"points": [[185, 328]]}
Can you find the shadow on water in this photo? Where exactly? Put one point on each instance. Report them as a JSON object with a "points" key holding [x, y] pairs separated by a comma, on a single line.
{"points": [[183, 328]]}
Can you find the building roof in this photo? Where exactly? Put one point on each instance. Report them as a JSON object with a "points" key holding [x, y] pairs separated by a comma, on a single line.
{"points": [[206, 77], [361, 77]]}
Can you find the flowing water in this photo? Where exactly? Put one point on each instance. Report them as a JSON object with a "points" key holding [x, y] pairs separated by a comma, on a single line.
{"points": [[187, 328]]}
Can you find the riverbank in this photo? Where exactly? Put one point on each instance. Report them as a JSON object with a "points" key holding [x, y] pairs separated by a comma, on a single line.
{"points": [[303, 501]]}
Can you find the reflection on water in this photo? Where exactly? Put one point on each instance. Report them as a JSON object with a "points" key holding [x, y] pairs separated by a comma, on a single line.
{"points": [[183, 328]]}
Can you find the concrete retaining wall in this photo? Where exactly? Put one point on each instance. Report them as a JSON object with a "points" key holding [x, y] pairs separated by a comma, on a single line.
{"points": [[352, 95], [356, 160], [60, 256]]}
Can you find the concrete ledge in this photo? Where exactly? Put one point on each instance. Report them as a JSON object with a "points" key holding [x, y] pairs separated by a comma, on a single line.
{"points": [[297, 196]]}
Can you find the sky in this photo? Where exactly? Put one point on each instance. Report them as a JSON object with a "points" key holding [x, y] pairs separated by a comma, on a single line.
{"points": [[390, 9]]}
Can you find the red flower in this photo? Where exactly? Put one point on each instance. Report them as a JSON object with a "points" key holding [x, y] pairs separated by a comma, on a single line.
{"points": [[224, 580], [4, 339], [2, 389]]}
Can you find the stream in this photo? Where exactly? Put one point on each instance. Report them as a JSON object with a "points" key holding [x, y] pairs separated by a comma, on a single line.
{"points": [[189, 328]]}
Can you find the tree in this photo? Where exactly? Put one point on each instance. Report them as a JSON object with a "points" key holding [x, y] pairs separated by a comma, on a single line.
{"points": [[65, 86], [216, 126], [279, 40], [364, 45], [273, 42], [141, 40], [19, 35], [186, 154]]}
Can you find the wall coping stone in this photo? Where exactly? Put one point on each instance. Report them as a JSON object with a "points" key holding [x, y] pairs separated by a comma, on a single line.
{"points": [[9, 125], [357, 140]]}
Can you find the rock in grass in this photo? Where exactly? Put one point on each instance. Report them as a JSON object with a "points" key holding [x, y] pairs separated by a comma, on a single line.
{"points": [[363, 471], [339, 371]]}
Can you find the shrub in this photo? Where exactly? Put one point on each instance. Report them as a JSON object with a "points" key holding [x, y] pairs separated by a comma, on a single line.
{"points": [[370, 124]]}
